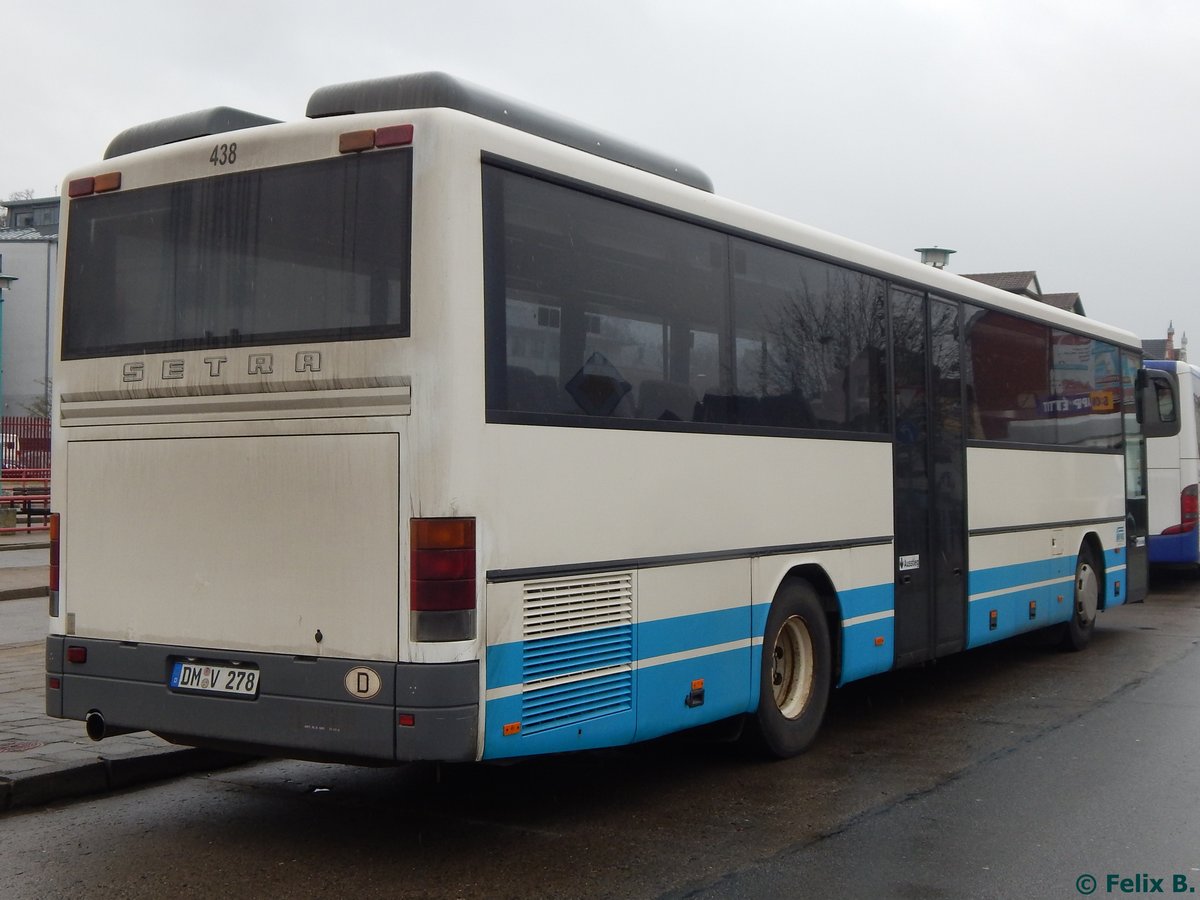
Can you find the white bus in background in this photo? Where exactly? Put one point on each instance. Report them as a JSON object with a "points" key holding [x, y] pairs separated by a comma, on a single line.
{"points": [[1173, 463], [436, 427]]}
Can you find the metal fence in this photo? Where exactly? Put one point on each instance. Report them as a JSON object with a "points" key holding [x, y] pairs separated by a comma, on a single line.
{"points": [[26, 442]]}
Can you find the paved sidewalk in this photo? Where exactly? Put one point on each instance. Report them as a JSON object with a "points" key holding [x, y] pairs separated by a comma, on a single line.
{"points": [[44, 759]]}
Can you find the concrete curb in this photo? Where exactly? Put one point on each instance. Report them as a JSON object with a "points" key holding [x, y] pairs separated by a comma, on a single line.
{"points": [[24, 593], [106, 775]]}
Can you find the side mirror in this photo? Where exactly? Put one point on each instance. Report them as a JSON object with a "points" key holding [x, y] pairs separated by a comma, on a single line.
{"points": [[1157, 403]]}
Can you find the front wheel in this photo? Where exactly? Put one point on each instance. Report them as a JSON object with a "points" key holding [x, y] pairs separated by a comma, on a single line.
{"points": [[796, 671], [1077, 633]]}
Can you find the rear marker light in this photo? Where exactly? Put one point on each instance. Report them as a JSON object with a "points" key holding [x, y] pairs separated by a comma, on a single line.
{"points": [[54, 683], [408, 720], [389, 136], [98, 184], [110, 181], [77, 655], [394, 136], [356, 141]]}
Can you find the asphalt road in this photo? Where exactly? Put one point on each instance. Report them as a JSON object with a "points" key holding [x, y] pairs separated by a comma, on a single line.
{"points": [[1103, 803], [1009, 771]]}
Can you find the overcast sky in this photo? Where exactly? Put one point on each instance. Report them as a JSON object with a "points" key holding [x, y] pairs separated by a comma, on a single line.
{"points": [[1055, 135]]}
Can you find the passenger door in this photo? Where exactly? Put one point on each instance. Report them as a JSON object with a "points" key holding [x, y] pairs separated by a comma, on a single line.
{"points": [[929, 469]]}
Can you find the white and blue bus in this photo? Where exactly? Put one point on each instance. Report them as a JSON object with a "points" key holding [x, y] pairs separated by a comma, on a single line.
{"points": [[436, 427], [1173, 463]]}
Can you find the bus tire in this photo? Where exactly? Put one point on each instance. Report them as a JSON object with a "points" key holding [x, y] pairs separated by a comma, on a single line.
{"points": [[1077, 632], [796, 669]]}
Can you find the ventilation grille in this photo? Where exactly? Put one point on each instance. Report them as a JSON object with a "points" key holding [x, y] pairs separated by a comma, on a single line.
{"points": [[571, 605], [578, 651]]}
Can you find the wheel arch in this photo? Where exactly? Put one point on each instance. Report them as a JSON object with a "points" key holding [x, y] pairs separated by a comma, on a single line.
{"points": [[1091, 540]]}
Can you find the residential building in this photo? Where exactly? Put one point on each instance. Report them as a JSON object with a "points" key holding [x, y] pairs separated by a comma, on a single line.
{"points": [[28, 251]]}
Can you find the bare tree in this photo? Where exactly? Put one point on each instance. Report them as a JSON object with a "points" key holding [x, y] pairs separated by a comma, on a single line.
{"points": [[41, 406]]}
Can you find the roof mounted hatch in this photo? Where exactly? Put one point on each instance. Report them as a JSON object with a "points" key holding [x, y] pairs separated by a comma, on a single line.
{"points": [[218, 120], [426, 90]]}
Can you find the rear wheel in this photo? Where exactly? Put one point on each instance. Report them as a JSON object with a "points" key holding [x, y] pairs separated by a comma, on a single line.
{"points": [[1077, 633], [796, 671]]}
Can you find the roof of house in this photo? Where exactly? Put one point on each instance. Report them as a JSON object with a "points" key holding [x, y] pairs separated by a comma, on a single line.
{"points": [[1154, 348], [1068, 301], [1016, 282], [26, 234]]}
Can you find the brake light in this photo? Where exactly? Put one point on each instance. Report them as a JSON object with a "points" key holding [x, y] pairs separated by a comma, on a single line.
{"points": [[1189, 511], [55, 525], [442, 595]]}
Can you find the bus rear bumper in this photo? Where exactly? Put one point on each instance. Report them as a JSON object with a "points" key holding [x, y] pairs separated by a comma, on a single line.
{"points": [[340, 710], [1167, 549]]}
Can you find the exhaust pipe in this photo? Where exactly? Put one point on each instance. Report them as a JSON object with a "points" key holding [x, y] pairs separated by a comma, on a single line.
{"points": [[93, 724], [97, 729]]}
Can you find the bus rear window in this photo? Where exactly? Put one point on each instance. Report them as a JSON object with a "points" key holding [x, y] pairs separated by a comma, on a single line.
{"points": [[318, 251]]}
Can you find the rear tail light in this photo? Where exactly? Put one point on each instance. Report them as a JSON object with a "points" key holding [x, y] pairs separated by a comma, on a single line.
{"points": [[1189, 506], [55, 525], [442, 590], [1189, 511]]}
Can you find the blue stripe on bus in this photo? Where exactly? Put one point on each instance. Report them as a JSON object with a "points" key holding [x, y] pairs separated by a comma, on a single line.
{"points": [[680, 634], [731, 675], [862, 652], [1047, 584], [1013, 577], [1116, 580], [661, 637], [662, 691]]}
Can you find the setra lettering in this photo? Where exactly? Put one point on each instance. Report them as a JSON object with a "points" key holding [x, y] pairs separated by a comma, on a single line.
{"points": [[134, 371], [308, 361], [214, 364]]}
